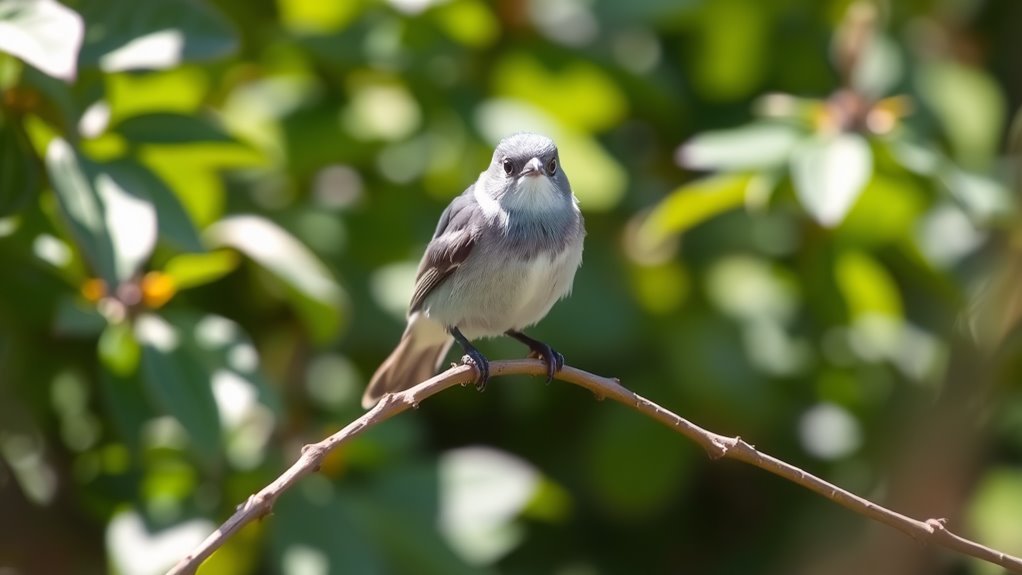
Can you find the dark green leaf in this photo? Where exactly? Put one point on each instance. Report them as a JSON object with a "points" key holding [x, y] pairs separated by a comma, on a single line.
{"points": [[180, 382], [76, 318], [19, 172], [167, 128], [153, 34]]}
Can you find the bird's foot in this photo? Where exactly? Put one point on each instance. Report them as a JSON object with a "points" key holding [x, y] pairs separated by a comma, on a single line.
{"points": [[552, 358], [472, 357], [481, 364]]}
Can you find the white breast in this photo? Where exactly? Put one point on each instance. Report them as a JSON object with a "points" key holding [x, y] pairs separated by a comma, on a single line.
{"points": [[546, 280]]}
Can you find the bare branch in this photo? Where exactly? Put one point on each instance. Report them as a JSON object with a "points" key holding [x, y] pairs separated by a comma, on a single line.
{"points": [[717, 446]]}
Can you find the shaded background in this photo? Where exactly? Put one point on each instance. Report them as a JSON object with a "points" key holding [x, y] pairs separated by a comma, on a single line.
{"points": [[802, 230]]}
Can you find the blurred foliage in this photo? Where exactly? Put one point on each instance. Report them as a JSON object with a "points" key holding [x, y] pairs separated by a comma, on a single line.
{"points": [[803, 229]]}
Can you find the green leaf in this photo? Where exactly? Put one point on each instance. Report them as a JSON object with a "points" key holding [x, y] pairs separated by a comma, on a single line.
{"points": [[44, 33], [153, 34], [830, 173], [19, 172], [173, 222], [867, 287], [754, 147], [118, 349], [315, 295], [178, 380], [75, 318], [985, 199], [696, 202], [112, 225], [191, 270], [969, 104], [125, 401], [168, 128]]}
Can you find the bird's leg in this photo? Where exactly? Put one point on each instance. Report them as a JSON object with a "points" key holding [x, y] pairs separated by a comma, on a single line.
{"points": [[554, 360], [473, 357]]}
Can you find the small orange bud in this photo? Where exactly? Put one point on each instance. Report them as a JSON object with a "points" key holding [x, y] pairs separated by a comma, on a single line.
{"points": [[157, 289], [94, 289]]}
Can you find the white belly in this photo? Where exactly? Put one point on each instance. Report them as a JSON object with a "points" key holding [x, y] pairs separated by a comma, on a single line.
{"points": [[486, 301]]}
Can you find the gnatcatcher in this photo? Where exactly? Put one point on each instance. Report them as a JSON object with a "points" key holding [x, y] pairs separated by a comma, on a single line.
{"points": [[503, 253]]}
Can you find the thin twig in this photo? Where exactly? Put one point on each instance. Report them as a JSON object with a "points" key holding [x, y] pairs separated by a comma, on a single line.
{"points": [[717, 446]]}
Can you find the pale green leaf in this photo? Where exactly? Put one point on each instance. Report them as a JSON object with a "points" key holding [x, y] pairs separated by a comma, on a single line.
{"points": [[44, 33], [311, 288], [696, 202], [969, 104], [829, 173], [191, 270], [753, 147]]}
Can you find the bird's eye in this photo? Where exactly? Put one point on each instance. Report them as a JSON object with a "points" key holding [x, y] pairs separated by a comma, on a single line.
{"points": [[551, 166], [509, 167]]}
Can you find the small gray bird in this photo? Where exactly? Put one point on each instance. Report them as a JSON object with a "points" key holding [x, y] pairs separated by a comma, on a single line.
{"points": [[503, 253]]}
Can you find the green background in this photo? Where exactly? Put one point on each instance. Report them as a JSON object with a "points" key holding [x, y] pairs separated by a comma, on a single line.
{"points": [[802, 229]]}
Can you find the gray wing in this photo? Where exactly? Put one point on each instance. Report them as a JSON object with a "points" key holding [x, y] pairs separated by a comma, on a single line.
{"points": [[452, 242]]}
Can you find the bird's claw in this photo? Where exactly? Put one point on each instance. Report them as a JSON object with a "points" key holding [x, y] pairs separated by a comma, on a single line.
{"points": [[481, 365], [552, 358]]}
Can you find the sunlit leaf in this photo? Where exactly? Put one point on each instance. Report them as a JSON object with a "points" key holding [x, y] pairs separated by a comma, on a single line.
{"points": [[190, 270], [118, 349], [173, 223], [580, 95], [830, 173], [734, 44], [153, 35], [44, 33], [316, 296], [193, 172], [481, 491], [867, 287], [179, 382], [136, 547], [887, 211], [114, 223], [19, 171], [753, 147], [697, 202], [169, 128], [315, 16], [470, 22], [178, 90]]}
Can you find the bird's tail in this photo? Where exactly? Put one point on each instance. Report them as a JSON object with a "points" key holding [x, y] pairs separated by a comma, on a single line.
{"points": [[415, 359]]}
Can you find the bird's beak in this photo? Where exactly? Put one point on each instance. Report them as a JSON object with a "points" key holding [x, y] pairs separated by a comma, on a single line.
{"points": [[533, 168]]}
